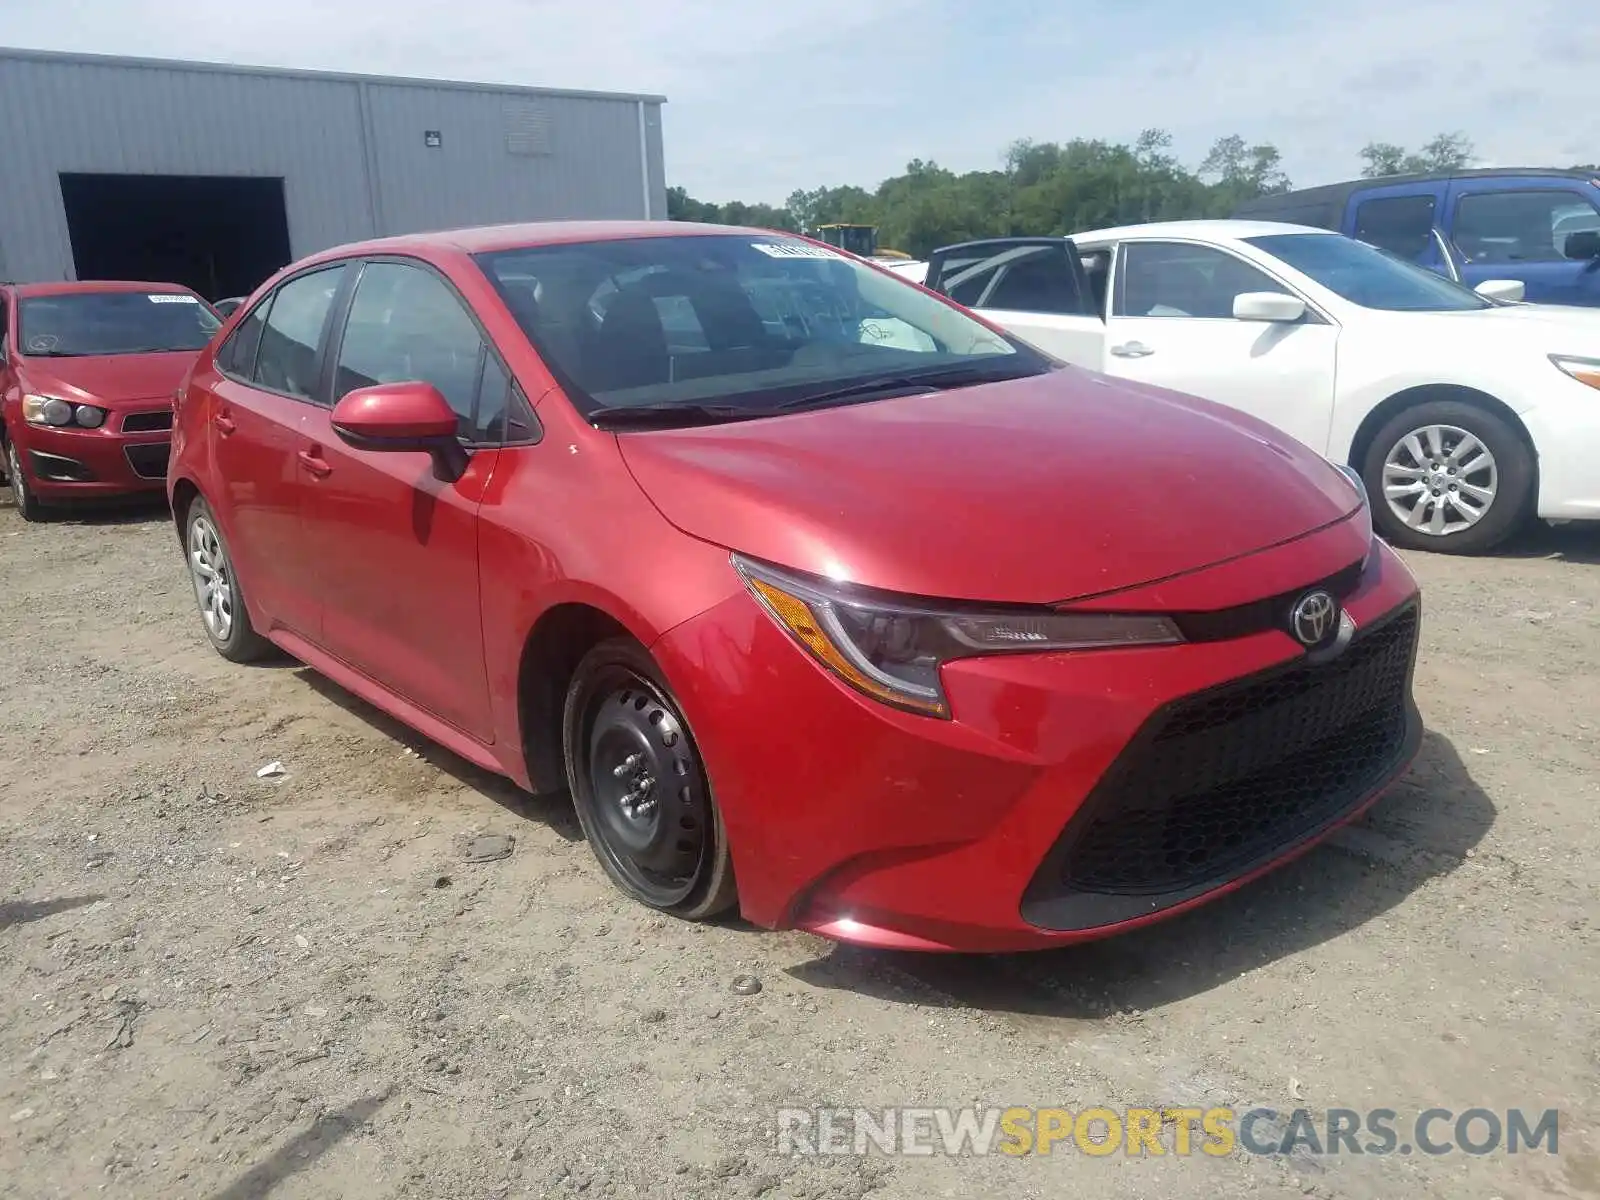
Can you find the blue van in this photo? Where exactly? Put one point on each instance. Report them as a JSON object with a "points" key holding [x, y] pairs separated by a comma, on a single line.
{"points": [[1535, 225]]}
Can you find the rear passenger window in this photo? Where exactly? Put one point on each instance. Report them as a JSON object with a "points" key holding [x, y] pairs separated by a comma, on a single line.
{"points": [[287, 358], [1027, 278], [238, 353], [1402, 225]]}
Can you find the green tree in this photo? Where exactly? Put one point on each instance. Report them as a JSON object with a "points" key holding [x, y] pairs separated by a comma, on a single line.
{"points": [[1055, 188], [1241, 172], [1445, 152]]}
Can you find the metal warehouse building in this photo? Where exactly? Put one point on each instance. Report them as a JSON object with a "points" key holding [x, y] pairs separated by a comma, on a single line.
{"points": [[215, 176]]}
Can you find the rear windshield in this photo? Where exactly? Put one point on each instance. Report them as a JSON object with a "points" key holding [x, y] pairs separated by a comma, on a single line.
{"points": [[83, 324], [742, 321]]}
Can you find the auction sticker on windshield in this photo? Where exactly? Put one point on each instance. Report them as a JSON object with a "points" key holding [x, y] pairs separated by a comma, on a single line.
{"points": [[794, 250], [169, 298]]}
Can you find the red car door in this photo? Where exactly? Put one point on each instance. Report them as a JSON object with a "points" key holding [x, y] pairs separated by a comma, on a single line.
{"points": [[260, 410], [395, 547]]}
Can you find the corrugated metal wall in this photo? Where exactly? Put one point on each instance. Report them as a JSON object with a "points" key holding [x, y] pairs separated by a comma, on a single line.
{"points": [[353, 152]]}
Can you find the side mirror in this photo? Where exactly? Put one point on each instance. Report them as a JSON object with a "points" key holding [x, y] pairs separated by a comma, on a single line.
{"points": [[1268, 306], [1509, 290], [391, 417], [1584, 244]]}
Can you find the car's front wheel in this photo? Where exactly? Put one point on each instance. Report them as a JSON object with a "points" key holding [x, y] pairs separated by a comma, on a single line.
{"points": [[216, 588], [27, 503], [639, 787], [1450, 476]]}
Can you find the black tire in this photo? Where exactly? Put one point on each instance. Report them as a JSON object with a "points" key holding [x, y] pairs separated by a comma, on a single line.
{"points": [[1512, 473], [670, 850], [238, 640], [28, 506]]}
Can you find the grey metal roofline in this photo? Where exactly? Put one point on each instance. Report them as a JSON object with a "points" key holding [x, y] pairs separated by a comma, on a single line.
{"points": [[173, 64]]}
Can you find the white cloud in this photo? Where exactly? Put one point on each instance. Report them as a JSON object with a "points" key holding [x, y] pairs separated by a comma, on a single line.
{"points": [[767, 98]]}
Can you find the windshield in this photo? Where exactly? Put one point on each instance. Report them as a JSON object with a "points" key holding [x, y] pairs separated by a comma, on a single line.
{"points": [[1367, 276], [82, 324], [744, 323]]}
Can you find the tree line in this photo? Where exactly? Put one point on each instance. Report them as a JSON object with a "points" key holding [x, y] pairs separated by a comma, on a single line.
{"points": [[1054, 188]]}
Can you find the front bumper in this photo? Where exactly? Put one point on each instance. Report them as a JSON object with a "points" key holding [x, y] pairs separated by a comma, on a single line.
{"points": [[63, 462], [1071, 795], [1566, 437]]}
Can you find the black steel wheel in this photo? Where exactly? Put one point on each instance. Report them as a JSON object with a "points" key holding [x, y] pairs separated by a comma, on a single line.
{"points": [[639, 786]]}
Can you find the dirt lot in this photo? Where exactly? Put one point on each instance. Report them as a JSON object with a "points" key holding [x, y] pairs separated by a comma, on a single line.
{"points": [[220, 986]]}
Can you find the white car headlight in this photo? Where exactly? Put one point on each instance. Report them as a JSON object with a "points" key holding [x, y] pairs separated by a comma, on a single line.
{"points": [[1584, 370], [892, 650]]}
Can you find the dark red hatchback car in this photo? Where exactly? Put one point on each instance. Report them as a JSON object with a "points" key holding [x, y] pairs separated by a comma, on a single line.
{"points": [[823, 597], [87, 375]]}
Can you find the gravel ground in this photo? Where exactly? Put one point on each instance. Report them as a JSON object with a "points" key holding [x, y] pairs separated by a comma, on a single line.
{"points": [[221, 986]]}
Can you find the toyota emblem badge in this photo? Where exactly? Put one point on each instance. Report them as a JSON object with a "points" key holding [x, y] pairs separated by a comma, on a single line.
{"points": [[1314, 617]]}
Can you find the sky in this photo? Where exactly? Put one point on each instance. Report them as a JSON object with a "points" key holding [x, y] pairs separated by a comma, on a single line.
{"points": [[764, 98]]}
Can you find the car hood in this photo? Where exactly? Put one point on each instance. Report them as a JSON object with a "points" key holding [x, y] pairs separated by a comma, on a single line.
{"points": [[1565, 327], [1037, 490], [109, 379]]}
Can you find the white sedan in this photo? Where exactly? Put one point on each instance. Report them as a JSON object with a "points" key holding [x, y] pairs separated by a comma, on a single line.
{"points": [[1464, 413]]}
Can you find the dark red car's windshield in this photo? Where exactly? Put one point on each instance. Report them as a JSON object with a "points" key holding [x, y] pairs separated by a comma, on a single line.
{"points": [[745, 323], [83, 324]]}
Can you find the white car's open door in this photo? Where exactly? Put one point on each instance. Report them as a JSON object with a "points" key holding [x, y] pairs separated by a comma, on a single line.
{"points": [[1034, 287]]}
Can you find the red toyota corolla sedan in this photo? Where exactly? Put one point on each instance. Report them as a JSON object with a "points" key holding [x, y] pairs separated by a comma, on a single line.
{"points": [[822, 597], [87, 374]]}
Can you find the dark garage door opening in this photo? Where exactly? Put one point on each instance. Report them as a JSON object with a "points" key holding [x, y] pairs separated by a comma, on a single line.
{"points": [[220, 235]]}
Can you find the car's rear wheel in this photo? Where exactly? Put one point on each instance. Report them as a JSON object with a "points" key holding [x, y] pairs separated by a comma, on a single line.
{"points": [[1450, 476], [27, 503], [216, 588], [640, 788]]}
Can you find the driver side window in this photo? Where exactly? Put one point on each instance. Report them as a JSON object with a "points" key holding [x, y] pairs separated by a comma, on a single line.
{"points": [[405, 325], [1177, 279]]}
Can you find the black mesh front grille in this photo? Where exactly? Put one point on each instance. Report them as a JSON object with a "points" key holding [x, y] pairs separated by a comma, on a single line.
{"points": [[147, 422], [149, 462], [1218, 783]]}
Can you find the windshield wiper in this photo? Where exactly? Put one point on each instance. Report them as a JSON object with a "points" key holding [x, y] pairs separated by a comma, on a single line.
{"points": [[657, 416], [949, 377]]}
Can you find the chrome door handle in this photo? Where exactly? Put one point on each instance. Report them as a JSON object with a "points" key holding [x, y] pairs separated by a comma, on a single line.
{"points": [[1132, 350]]}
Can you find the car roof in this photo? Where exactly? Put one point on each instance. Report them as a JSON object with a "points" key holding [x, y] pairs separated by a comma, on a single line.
{"points": [[1339, 193], [481, 239], [1223, 230], [90, 286]]}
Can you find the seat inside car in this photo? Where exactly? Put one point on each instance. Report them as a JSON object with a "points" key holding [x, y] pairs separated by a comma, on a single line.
{"points": [[630, 349]]}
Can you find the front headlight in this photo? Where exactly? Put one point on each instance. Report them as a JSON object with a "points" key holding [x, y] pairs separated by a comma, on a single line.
{"points": [[1584, 370], [46, 410], [892, 650], [51, 410], [1364, 515]]}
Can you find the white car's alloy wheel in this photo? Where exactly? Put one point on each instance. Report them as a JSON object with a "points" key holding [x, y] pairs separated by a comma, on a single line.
{"points": [[1440, 480]]}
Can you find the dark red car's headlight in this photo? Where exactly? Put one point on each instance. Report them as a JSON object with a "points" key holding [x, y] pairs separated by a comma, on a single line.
{"points": [[50, 410], [892, 650]]}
